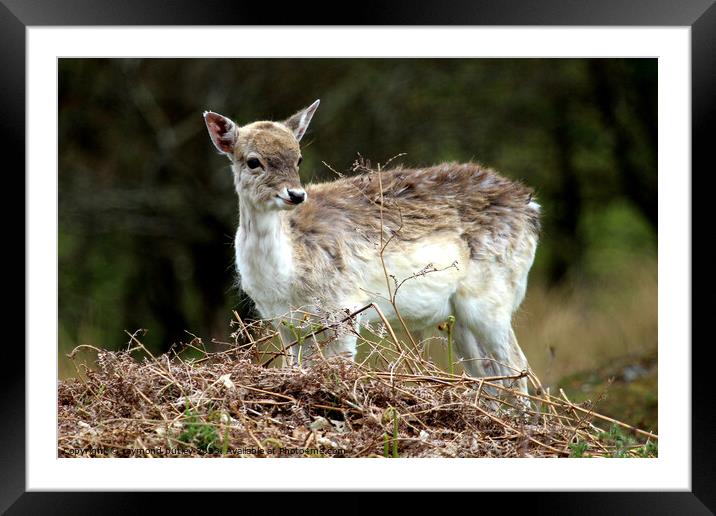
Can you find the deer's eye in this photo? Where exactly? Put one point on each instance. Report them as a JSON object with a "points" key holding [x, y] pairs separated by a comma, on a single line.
{"points": [[253, 163], [300, 160]]}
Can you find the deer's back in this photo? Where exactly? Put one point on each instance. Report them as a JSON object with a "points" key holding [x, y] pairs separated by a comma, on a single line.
{"points": [[489, 212]]}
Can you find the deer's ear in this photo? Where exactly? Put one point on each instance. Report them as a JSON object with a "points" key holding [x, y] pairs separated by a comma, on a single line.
{"points": [[298, 123], [222, 130]]}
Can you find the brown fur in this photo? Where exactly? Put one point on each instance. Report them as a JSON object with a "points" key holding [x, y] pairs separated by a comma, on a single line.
{"points": [[276, 145], [451, 197], [277, 150]]}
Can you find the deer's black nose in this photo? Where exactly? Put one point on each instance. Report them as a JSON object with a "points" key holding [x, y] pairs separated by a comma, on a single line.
{"points": [[296, 196]]}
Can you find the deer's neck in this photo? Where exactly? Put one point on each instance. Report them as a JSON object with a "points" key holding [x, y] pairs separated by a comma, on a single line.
{"points": [[264, 259]]}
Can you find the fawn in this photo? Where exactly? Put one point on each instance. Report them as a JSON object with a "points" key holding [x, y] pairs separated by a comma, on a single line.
{"points": [[325, 245]]}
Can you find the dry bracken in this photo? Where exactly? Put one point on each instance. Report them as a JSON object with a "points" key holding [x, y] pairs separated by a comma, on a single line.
{"points": [[229, 403]]}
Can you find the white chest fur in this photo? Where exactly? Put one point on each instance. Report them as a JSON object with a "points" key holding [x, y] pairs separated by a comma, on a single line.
{"points": [[264, 261]]}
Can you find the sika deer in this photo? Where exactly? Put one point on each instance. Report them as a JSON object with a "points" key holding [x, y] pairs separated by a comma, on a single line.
{"points": [[320, 246]]}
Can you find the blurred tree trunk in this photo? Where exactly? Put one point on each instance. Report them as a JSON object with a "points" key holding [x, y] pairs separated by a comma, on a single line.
{"points": [[213, 266], [156, 285], [567, 201], [636, 178]]}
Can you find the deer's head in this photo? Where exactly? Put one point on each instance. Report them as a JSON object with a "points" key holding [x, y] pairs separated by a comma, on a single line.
{"points": [[265, 157]]}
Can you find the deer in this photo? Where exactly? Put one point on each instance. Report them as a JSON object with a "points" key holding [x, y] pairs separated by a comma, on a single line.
{"points": [[320, 245]]}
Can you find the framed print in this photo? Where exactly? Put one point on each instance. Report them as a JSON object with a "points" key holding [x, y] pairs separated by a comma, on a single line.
{"points": [[399, 176]]}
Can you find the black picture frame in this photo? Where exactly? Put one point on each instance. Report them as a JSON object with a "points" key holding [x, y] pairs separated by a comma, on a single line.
{"points": [[699, 15]]}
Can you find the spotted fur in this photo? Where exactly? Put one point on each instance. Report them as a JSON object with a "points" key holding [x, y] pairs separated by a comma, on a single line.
{"points": [[478, 227]]}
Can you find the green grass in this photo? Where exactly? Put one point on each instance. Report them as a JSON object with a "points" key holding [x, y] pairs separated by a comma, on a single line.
{"points": [[391, 416], [625, 443], [200, 434], [578, 449]]}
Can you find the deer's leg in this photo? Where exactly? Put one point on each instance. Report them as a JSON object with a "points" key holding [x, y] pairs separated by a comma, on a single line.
{"points": [[343, 345], [501, 345], [471, 352], [475, 360], [344, 340], [419, 336], [485, 340], [286, 337]]}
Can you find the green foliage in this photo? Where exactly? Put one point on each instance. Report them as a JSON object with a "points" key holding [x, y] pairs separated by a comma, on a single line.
{"points": [[299, 334], [391, 442], [200, 434], [625, 445], [578, 449], [448, 326], [649, 450], [629, 238], [616, 437]]}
